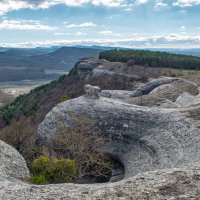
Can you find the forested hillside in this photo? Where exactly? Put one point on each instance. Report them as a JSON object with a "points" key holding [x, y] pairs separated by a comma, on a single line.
{"points": [[152, 59]]}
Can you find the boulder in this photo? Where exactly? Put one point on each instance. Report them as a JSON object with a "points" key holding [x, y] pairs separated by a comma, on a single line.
{"points": [[92, 91], [148, 87], [11, 162], [141, 138], [85, 67]]}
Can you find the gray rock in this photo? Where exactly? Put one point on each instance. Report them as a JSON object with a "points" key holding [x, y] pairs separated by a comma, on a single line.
{"points": [[160, 184], [11, 162], [148, 87], [167, 94], [150, 143], [97, 67], [85, 67], [142, 138], [116, 94], [92, 91]]}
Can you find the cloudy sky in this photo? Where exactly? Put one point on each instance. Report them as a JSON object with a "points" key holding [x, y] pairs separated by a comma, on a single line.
{"points": [[125, 23]]}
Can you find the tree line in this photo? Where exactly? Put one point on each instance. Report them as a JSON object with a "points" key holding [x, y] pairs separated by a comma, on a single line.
{"points": [[152, 59]]}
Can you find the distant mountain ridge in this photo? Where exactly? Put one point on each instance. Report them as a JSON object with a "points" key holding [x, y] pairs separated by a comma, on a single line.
{"points": [[62, 58], [23, 64]]}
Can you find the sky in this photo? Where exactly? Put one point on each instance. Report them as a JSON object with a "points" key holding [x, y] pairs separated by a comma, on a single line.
{"points": [[119, 23]]}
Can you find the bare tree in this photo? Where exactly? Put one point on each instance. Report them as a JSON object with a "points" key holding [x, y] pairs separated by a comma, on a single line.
{"points": [[21, 135], [81, 141]]}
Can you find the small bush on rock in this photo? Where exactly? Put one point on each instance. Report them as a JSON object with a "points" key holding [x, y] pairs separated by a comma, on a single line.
{"points": [[47, 170], [38, 179], [63, 98]]}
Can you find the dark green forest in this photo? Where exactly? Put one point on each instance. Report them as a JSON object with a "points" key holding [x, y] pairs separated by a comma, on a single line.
{"points": [[152, 59]]}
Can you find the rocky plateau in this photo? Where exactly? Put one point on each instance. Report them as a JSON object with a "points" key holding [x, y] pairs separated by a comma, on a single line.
{"points": [[151, 133]]}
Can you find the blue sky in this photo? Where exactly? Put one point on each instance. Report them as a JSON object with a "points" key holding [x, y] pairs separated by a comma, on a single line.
{"points": [[125, 23]]}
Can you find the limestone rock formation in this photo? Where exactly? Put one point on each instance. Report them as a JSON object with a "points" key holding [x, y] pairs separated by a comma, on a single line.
{"points": [[92, 91], [166, 95], [147, 88], [142, 138], [160, 184], [11, 162], [158, 147], [116, 94], [96, 67]]}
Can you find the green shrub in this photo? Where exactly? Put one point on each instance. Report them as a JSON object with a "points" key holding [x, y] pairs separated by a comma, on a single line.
{"points": [[63, 98], [41, 165], [38, 179], [47, 170]]}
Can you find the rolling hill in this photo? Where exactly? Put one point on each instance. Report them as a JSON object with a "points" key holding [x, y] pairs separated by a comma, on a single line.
{"points": [[22, 64]]}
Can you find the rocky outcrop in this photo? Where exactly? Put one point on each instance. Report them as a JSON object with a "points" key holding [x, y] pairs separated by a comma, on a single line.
{"points": [[158, 148], [85, 67], [166, 95], [92, 91], [142, 138], [184, 100], [116, 94], [160, 184], [98, 67], [148, 87], [11, 162]]}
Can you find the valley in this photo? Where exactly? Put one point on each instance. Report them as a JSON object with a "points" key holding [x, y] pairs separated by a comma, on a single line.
{"points": [[24, 69]]}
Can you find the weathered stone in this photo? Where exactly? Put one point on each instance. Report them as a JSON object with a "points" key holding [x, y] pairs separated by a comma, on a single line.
{"points": [[116, 94], [11, 162], [160, 184], [166, 95], [148, 87], [93, 67], [184, 100], [92, 91], [159, 150], [142, 138]]}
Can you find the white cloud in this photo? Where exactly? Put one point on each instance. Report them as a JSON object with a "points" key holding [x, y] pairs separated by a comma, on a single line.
{"points": [[161, 4], [141, 1], [83, 25], [11, 5], [172, 40], [185, 3], [80, 34], [109, 33], [24, 25], [183, 28], [106, 32], [60, 33]]}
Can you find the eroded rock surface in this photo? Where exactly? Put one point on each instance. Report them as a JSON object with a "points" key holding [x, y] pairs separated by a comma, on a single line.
{"points": [[166, 95], [159, 149], [148, 87], [116, 94], [142, 138], [11, 162], [160, 184]]}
